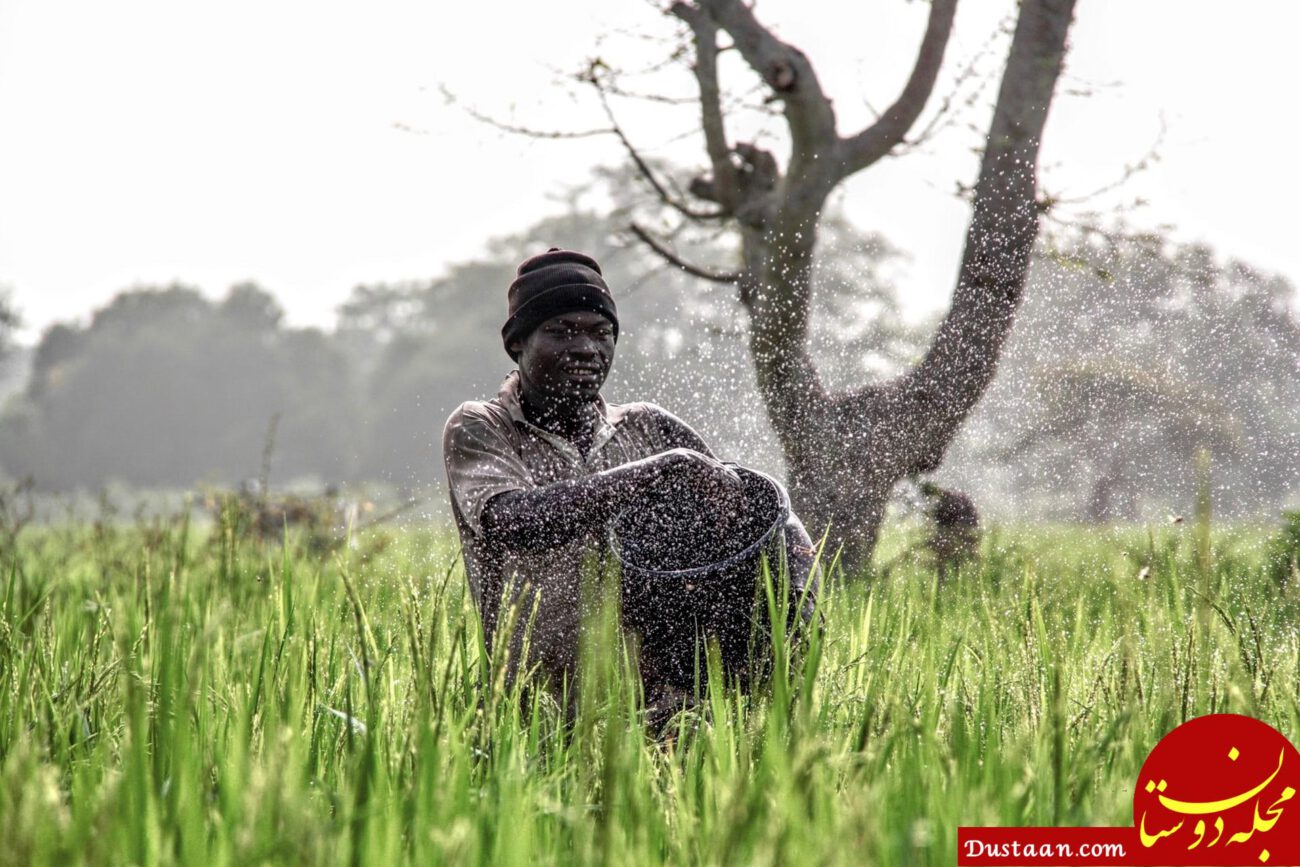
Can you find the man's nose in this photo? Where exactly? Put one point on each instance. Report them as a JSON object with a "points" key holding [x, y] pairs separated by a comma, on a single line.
{"points": [[584, 345]]}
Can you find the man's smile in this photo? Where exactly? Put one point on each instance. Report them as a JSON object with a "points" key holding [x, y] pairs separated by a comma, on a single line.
{"points": [[583, 372]]}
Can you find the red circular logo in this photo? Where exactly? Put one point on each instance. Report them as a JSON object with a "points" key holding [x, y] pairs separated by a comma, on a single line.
{"points": [[1220, 789]]}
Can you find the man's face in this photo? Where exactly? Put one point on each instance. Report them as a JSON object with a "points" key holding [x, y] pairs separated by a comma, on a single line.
{"points": [[567, 357]]}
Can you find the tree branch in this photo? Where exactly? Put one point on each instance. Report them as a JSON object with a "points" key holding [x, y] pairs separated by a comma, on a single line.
{"points": [[875, 141], [673, 259], [788, 72], [954, 102], [963, 354], [705, 33]]}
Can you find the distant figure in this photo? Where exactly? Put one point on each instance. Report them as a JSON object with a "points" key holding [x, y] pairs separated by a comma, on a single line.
{"points": [[538, 473], [955, 535]]}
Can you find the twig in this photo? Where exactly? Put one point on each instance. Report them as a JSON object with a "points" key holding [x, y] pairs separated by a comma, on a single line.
{"points": [[1131, 170], [516, 129], [672, 258], [642, 166]]}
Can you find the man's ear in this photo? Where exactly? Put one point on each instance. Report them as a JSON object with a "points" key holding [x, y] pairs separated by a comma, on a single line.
{"points": [[513, 348]]}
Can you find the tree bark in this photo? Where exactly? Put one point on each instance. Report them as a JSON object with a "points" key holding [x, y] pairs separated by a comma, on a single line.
{"points": [[846, 451]]}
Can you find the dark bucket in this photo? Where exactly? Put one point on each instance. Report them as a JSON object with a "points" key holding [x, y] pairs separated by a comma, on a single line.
{"points": [[691, 574]]}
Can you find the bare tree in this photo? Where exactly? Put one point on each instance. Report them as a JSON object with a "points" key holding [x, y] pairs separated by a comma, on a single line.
{"points": [[846, 450]]}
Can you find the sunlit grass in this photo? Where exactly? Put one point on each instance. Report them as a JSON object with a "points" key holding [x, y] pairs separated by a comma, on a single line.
{"points": [[175, 696]]}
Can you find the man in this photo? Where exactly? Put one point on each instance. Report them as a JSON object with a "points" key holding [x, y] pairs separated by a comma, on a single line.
{"points": [[537, 474]]}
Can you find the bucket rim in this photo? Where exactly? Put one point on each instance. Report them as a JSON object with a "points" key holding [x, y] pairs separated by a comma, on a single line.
{"points": [[783, 515]]}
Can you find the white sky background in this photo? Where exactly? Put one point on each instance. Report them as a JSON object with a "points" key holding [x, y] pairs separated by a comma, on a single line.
{"points": [[152, 140]]}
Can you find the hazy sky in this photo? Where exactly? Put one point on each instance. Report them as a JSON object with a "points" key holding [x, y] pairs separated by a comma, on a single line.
{"points": [[306, 145]]}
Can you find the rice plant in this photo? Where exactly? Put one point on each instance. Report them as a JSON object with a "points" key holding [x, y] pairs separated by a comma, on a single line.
{"points": [[180, 695]]}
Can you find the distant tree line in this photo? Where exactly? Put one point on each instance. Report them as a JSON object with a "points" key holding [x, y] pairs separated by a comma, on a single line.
{"points": [[1131, 354], [164, 387]]}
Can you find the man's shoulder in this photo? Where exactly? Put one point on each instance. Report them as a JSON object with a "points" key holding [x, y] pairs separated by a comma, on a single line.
{"points": [[478, 412], [475, 417], [652, 416]]}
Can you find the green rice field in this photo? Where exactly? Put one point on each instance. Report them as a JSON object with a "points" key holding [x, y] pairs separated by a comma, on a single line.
{"points": [[176, 694]]}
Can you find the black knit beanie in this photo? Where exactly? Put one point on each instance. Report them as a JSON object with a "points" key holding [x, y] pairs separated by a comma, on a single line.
{"points": [[557, 281]]}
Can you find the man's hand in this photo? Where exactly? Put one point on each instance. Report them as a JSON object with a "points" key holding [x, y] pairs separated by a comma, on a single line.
{"points": [[713, 486], [689, 471]]}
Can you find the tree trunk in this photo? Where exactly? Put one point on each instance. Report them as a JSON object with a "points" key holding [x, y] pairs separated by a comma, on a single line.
{"points": [[845, 452]]}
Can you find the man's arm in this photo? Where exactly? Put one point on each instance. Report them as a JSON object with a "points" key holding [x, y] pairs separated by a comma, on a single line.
{"points": [[551, 515], [677, 433]]}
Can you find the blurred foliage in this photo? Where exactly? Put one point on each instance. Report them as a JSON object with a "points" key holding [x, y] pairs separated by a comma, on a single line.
{"points": [[1283, 556], [10, 320], [1129, 356], [321, 522]]}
